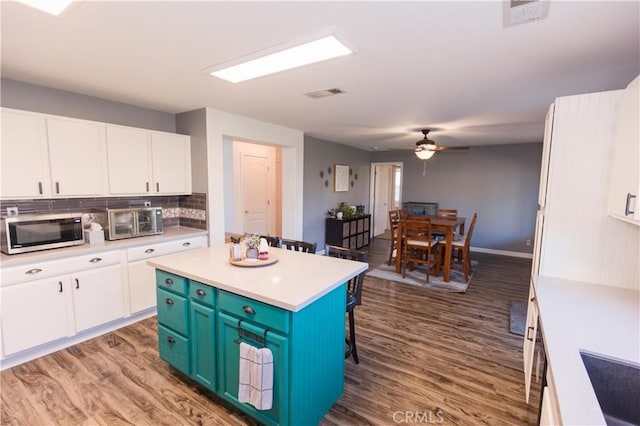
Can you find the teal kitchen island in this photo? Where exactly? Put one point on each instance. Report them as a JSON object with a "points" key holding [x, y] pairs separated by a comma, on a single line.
{"points": [[294, 307]]}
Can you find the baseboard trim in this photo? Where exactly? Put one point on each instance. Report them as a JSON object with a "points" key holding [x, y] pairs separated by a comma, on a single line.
{"points": [[502, 252]]}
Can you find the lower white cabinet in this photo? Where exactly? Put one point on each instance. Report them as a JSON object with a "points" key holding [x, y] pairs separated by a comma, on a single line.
{"points": [[549, 412], [35, 312], [97, 297], [142, 278], [529, 342]]}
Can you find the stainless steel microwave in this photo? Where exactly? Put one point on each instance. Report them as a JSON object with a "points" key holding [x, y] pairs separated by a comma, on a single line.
{"points": [[131, 222], [26, 233]]}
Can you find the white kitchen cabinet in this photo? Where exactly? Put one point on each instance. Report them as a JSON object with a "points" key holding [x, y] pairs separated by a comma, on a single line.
{"points": [[35, 312], [529, 342], [25, 158], [549, 412], [144, 162], [546, 152], [624, 184], [142, 279], [77, 156], [97, 296], [171, 159]]}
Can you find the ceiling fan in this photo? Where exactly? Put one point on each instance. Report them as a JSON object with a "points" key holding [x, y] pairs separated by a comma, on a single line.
{"points": [[426, 148]]}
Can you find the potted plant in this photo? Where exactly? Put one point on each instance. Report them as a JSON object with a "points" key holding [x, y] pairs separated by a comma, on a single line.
{"points": [[253, 243]]}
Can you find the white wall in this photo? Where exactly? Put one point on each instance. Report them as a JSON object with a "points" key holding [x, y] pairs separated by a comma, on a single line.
{"points": [[222, 129]]}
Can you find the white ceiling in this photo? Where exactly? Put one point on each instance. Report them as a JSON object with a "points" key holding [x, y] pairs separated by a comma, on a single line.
{"points": [[450, 66]]}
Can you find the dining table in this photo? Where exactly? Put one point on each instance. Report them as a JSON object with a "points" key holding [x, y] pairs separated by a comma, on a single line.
{"points": [[447, 225]]}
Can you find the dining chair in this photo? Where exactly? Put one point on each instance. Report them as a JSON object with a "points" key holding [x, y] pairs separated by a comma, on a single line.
{"points": [[462, 246], [403, 213], [417, 245], [394, 218], [354, 293], [301, 246], [272, 241]]}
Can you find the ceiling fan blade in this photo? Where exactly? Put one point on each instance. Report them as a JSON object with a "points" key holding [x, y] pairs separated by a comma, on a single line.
{"points": [[446, 148]]}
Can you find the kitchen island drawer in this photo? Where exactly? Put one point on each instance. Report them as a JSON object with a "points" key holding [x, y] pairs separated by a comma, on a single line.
{"points": [[174, 349], [202, 293], [171, 282], [173, 311], [271, 317]]}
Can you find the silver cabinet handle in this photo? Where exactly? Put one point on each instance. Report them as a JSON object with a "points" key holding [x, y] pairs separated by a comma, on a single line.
{"points": [[171, 339], [96, 260], [168, 281], [148, 251], [187, 244], [147, 186], [77, 283], [157, 186], [627, 210], [248, 309], [40, 188], [169, 301], [60, 284], [33, 271], [200, 292], [528, 336], [57, 187]]}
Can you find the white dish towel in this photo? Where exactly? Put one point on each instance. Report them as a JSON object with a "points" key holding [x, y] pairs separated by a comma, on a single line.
{"points": [[256, 376]]}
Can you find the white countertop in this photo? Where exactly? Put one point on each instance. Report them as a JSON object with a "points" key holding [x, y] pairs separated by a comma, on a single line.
{"points": [[293, 282], [596, 318], [170, 233]]}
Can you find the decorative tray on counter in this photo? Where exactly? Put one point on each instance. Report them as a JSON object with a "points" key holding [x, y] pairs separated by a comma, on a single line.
{"points": [[273, 258]]}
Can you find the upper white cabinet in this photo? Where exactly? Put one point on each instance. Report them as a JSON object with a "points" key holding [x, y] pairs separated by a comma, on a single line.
{"points": [[25, 162], [624, 184], [77, 157], [143, 162], [45, 156]]}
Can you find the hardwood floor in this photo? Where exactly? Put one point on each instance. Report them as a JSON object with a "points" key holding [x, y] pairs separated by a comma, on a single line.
{"points": [[425, 357]]}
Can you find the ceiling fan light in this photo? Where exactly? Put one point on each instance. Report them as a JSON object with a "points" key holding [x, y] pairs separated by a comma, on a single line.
{"points": [[424, 154]]}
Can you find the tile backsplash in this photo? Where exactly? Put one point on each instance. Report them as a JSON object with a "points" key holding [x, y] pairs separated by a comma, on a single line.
{"points": [[184, 210]]}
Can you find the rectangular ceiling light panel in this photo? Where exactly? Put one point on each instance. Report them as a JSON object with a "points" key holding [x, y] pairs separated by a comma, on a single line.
{"points": [[54, 7], [304, 54]]}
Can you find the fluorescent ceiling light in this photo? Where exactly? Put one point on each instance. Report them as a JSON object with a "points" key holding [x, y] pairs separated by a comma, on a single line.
{"points": [[54, 7], [304, 54]]}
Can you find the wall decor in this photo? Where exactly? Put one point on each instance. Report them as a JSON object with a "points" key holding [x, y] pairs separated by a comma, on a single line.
{"points": [[329, 170], [326, 183], [341, 178], [321, 174]]}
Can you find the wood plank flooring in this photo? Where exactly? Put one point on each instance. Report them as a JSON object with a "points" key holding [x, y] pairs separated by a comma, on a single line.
{"points": [[425, 357]]}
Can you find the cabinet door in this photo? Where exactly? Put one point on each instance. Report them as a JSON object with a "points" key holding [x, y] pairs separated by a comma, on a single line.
{"points": [[129, 160], [229, 362], [624, 184], [203, 345], [97, 296], [171, 158], [142, 286], [77, 157], [546, 152], [25, 163], [35, 312], [529, 342]]}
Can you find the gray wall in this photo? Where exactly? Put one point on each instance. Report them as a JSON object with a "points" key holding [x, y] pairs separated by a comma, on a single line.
{"points": [[320, 155], [29, 97], [499, 182], [194, 123]]}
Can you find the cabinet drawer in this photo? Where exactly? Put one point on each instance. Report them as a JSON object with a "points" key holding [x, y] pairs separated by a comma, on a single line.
{"points": [[162, 248], [174, 349], [268, 316], [173, 311], [202, 293], [171, 281], [37, 270]]}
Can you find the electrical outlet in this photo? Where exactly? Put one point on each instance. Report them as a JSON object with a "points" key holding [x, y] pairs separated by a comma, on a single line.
{"points": [[12, 211], [528, 242]]}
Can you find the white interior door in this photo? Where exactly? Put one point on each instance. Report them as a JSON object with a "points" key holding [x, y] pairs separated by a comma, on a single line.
{"points": [[381, 199], [255, 190]]}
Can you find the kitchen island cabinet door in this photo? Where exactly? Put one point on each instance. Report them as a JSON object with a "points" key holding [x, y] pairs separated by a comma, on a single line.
{"points": [[203, 345], [97, 296], [25, 162], [36, 312], [229, 363], [77, 155]]}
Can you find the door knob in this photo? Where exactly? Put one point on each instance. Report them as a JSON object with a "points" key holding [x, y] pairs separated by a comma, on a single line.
{"points": [[246, 211]]}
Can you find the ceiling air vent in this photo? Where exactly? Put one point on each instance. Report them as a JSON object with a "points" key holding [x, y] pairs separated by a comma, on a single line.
{"points": [[521, 11], [324, 93]]}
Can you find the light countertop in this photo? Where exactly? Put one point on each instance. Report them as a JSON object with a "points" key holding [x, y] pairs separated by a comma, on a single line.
{"points": [[578, 316], [170, 234], [293, 282]]}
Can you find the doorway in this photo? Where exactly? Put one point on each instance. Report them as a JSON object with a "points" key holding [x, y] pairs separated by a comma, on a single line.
{"points": [[385, 194]]}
